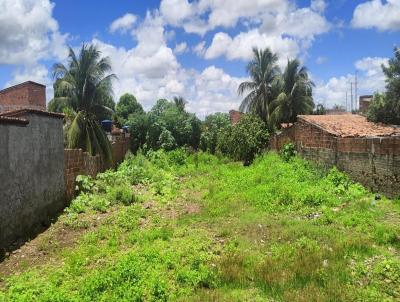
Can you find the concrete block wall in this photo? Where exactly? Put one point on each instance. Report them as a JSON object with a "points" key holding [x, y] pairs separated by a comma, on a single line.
{"points": [[372, 161], [32, 182]]}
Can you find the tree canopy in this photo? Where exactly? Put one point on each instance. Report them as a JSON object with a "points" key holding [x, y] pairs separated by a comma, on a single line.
{"points": [[85, 84]]}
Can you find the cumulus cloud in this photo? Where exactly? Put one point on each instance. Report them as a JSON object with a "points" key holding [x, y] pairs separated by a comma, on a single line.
{"points": [[181, 48], [151, 71], [370, 80], [280, 25], [377, 14], [318, 5], [123, 24], [28, 32], [240, 47]]}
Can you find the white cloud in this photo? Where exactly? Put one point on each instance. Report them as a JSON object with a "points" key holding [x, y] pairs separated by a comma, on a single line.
{"points": [[175, 11], [28, 32], [240, 47], [318, 5], [370, 80], [200, 49], [151, 71], [280, 25], [381, 15], [123, 24], [181, 48]]}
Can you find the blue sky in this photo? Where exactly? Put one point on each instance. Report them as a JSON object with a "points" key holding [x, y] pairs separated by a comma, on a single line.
{"points": [[199, 49]]}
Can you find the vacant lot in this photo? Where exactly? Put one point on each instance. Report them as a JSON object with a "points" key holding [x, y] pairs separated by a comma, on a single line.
{"points": [[178, 227]]}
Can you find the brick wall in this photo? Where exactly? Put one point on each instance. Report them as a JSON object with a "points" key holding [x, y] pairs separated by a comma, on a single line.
{"points": [[78, 162], [372, 161], [25, 95], [235, 116]]}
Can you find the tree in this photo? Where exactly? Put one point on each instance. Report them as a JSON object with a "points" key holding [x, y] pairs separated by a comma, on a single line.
{"points": [[85, 84], [180, 102], [211, 128], [264, 72], [320, 110], [126, 106], [184, 127], [385, 108], [296, 94], [244, 140]]}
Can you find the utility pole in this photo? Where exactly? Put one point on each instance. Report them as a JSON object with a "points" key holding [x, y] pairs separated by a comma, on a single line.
{"points": [[355, 92], [347, 107], [351, 96]]}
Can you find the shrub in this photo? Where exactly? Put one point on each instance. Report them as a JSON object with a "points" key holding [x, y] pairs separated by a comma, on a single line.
{"points": [[288, 151], [244, 140]]}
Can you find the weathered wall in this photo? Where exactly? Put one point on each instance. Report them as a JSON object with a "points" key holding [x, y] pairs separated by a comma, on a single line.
{"points": [[32, 182], [78, 162], [372, 161], [24, 95]]}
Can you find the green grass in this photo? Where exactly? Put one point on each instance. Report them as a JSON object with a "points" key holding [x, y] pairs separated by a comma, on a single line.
{"points": [[181, 227]]}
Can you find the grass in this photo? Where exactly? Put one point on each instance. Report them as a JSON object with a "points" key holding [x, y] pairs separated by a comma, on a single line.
{"points": [[178, 227]]}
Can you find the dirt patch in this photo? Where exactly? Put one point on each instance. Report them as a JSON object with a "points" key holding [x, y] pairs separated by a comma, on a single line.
{"points": [[191, 208], [45, 248]]}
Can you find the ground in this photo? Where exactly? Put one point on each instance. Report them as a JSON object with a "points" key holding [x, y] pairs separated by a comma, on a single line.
{"points": [[202, 228]]}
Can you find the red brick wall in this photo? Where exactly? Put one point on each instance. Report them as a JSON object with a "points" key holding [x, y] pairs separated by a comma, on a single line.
{"points": [[235, 116], [77, 162], [25, 95], [372, 161]]}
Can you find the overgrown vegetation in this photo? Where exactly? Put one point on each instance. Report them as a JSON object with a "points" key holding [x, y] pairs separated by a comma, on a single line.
{"points": [[174, 226]]}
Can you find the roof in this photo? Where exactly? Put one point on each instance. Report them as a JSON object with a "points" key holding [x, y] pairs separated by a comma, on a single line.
{"points": [[13, 120], [350, 125], [22, 112]]}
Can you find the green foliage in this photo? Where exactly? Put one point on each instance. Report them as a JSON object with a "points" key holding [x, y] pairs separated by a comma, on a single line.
{"points": [[385, 108], [166, 120], [85, 85], [213, 230], [288, 151], [166, 141], [245, 140], [212, 127], [138, 126], [274, 96], [127, 106], [320, 110], [295, 94], [264, 73], [57, 105]]}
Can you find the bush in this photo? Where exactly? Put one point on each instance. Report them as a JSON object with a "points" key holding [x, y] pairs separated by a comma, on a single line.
{"points": [[212, 126], [288, 151], [245, 140]]}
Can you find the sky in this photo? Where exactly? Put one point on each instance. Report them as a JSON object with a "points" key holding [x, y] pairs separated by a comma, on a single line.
{"points": [[199, 49]]}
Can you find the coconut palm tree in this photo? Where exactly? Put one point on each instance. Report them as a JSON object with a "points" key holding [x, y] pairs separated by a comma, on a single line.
{"points": [[264, 72], [85, 83], [296, 94], [180, 102]]}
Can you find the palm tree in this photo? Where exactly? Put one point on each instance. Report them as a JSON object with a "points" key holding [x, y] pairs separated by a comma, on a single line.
{"points": [[86, 85], [180, 102], [263, 71], [296, 94]]}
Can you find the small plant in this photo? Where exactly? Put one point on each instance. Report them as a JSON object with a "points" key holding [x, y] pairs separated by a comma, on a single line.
{"points": [[288, 151], [83, 184]]}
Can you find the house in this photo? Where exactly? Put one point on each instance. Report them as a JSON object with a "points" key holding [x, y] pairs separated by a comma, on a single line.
{"points": [[368, 152]]}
